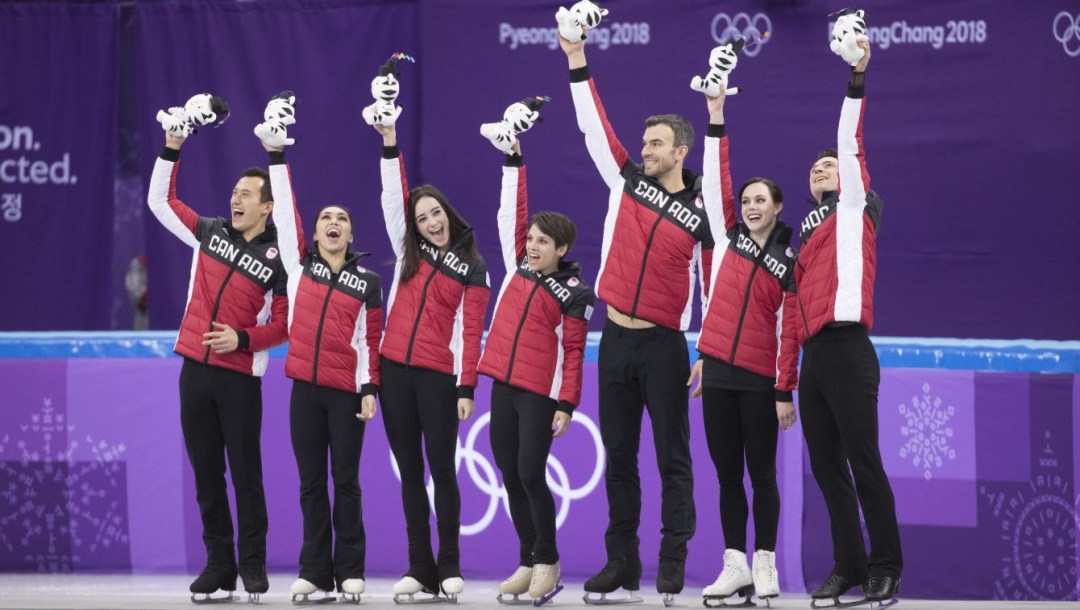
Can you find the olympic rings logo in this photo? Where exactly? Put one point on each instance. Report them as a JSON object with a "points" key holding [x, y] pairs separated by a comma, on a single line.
{"points": [[750, 28], [485, 476], [1067, 30]]}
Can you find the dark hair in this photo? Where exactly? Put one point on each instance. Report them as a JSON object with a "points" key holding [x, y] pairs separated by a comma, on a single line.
{"points": [[458, 227], [774, 191], [258, 172], [826, 152], [348, 213], [556, 226], [684, 132]]}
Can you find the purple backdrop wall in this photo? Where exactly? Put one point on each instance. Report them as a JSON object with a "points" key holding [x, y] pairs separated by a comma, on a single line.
{"points": [[968, 132]]}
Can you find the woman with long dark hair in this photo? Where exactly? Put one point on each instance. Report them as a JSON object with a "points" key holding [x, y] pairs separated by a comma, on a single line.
{"points": [[429, 354]]}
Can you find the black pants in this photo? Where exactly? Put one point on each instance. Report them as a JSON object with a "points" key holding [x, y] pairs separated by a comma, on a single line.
{"points": [[221, 413], [521, 441], [738, 423], [420, 412], [322, 419], [838, 392], [646, 368]]}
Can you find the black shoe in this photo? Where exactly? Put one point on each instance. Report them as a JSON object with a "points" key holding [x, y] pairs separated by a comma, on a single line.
{"points": [[254, 577], [671, 576], [880, 587], [622, 572], [215, 576], [835, 586]]}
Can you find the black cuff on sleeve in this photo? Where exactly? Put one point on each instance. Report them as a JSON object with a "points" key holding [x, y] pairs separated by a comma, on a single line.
{"points": [[170, 154], [783, 396], [390, 152], [566, 407], [579, 75], [277, 157], [515, 160], [243, 340], [856, 87], [715, 131], [368, 389], [465, 391]]}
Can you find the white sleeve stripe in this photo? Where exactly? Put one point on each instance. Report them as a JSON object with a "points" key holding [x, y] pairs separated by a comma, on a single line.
{"points": [[284, 215], [596, 140], [159, 203], [393, 204], [507, 217]]}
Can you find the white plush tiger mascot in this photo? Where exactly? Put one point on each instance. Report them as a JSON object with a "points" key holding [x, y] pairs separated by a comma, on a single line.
{"points": [[201, 109], [518, 118], [849, 29], [280, 112], [385, 88], [722, 62], [584, 14]]}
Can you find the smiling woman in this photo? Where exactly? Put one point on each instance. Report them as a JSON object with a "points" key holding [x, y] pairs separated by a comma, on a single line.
{"points": [[429, 356], [335, 326]]}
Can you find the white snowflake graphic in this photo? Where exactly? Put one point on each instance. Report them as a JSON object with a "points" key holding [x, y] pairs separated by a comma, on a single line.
{"points": [[927, 432], [57, 501]]}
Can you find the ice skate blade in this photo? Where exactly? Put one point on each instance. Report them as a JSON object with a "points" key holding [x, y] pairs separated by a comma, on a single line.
{"points": [[350, 598], [543, 599], [669, 600], [631, 598], [516, 601], [410, 598], [885, 603], [206, 599], [721, 601], [306, 600], [836, 603], [253, 598]]}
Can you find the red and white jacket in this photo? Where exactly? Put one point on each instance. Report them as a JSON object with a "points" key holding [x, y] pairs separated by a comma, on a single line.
{"points": [[537, 337], [233, 281], [653, 239], [749, 323], [838, 241], [435, 319], [335, 319]]}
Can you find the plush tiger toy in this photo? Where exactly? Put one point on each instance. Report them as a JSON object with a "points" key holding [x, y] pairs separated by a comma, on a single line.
{"points": [[518, 118], [385, 88], [584, 14], [849, 29], [280, 112], [722, 62], [200, 110]]}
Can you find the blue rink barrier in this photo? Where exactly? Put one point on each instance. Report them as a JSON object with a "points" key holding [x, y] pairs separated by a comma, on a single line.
{"points": [[985, 355]]}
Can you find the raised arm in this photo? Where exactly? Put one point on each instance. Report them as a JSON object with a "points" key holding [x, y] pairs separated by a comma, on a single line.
{"points": [[395, 189], [716, 188], [513, 211], [604, 147], [178, 218], [287, 219], [854, 179]]}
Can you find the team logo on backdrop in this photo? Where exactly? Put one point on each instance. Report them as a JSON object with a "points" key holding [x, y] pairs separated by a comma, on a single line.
{"points": [[1039, 522], [1067, 32], [725, 27], [484, 475]]}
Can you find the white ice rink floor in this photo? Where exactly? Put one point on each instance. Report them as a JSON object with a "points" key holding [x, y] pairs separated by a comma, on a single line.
{"points": [[126, 591]]}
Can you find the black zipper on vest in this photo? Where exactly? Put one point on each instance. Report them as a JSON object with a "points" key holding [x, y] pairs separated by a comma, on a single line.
{"points": [[517, 335], [420, 312], [318, 333], [742, 315], [644, 260], [217, 301]]}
